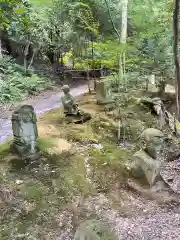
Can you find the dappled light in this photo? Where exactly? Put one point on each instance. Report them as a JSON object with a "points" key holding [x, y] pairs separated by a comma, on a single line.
{"points": [[89, 120]]}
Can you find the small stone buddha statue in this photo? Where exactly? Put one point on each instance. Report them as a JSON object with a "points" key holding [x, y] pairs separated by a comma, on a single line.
{"points": [[68, 102]]}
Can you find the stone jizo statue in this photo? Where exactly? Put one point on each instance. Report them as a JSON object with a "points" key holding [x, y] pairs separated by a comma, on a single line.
{"points": [[146, 163], [68, 102], [71, 109], [25, 131]]}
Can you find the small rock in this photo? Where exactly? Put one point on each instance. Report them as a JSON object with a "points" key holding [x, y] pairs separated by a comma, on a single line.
{"points": [[19, 182], [98, 146]]}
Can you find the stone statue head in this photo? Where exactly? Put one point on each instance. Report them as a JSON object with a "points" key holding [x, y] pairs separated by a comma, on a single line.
{"points": [[154, 140], [65, 89], [27, 114]]}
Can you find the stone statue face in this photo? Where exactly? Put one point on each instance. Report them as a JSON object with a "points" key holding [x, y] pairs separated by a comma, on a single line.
{"points": [[65, 89], [154, 146], [27, 117]]}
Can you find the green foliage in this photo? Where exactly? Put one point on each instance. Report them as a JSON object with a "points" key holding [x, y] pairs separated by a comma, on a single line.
{"points": [[16, 83], [153, 36], [8, 9], [57, 26], [105, 54]]}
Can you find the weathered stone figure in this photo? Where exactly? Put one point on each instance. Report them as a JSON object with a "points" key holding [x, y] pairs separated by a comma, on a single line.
{"points": [[71, 109], [68, 102], [25, 131], [147, 162]]}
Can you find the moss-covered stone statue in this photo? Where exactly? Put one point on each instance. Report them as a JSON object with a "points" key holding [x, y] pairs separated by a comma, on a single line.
{"points": [[94, 230], [68, 102], [71, 109], [146, 163], [25, 132]]}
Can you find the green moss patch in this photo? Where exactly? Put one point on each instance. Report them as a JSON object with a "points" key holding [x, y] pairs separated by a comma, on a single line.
{"points": [[108, 166]]}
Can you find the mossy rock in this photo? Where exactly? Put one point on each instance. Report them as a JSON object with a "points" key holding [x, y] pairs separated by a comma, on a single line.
{"points": [[94, 230]]}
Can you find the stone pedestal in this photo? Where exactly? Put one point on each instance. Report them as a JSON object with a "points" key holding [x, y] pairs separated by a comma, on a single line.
{"points": [[24, 126], [147, 167]]}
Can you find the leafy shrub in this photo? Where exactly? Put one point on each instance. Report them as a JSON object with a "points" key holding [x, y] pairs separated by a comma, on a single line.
{"points": [[15, 83]]}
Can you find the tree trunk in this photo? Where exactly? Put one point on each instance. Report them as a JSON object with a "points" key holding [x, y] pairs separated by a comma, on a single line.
{"points": [[176, 52], [124, 5], [124, 8], [32, 59], [161, 88], [26, 50], [1, 54], [88, 81], [62, 76], [122, 40], [73, 58]]}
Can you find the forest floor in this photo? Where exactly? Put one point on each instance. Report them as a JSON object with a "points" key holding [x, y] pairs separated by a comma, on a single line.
{"points": [[81, 175]]}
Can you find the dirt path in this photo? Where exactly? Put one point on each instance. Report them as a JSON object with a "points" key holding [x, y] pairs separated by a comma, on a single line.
{"points": [[41, 105]]}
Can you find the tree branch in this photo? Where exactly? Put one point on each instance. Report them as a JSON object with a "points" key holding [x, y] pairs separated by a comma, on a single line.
{"points": [[112, 22]]}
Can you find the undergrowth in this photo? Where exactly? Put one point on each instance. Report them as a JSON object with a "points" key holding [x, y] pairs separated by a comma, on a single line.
{"points": [[16, 83]]}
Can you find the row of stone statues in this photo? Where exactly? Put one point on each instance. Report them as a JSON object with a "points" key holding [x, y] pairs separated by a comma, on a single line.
{"points": [[24, 121], [145, 164]]}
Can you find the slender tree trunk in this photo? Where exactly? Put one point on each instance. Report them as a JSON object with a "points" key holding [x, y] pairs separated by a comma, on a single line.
{"points": [[123, 38], [176, 52], [88, 80], [26, 50], [124, 8], [32, 59], [121, 58], [1, 54], [62, 76], [73, 58]]}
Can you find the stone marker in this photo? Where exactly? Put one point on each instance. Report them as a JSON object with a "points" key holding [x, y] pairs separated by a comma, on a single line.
{"points": [[103, 92], [25, 132], [152, 84]]}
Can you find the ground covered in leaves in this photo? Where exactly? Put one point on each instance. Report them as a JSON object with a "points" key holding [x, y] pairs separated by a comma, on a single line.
{"points": [[81, 175]]}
